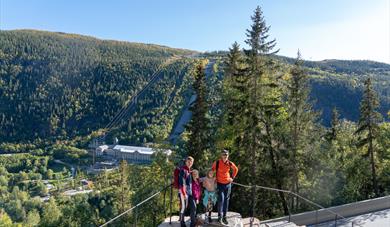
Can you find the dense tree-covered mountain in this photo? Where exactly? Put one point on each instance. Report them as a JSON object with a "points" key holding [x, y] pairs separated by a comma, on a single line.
{"points": [[58, 86], [339, 83]]}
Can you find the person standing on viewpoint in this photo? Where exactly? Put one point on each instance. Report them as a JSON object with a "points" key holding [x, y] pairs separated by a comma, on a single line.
{"points": [[222, 168], [185, 188]]}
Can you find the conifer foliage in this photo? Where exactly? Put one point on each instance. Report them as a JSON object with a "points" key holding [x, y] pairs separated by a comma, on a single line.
{"points": [[198, 127], [369, 128]]}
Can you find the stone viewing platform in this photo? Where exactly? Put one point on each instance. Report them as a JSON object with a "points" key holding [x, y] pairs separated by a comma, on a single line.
{"points": [[234, 219]]}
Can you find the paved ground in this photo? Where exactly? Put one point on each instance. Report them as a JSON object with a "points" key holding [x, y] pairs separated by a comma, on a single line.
{"points": [[375, 219], [234, 220]]}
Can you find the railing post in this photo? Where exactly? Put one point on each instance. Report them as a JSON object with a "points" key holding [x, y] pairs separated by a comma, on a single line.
{"points": [[288, 207], [253, 205], [335, 221], [136, 216], [170, 204], [165, 192], [316, 217]]}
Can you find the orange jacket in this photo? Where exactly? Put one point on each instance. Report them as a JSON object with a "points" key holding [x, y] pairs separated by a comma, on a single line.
{"points": [[223, 174]]}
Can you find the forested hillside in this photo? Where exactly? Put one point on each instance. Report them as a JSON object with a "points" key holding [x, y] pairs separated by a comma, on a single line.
{"points": [[58, 86], [339, 84]]}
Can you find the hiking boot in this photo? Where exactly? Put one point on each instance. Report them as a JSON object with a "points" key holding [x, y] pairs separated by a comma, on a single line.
{"points": [[209, 219], [209, 216], [224, 221], [181, 218], [220, 220]]}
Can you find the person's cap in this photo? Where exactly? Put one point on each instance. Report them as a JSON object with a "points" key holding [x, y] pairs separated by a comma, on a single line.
{"points": [[224, 151]]}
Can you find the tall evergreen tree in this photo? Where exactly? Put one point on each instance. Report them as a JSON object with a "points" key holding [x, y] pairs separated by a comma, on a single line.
{"points": [[368, 127], [259, 93], [301, 118], [234, 98], [257, 37], [198, 127], [334, 125], [232, 73]]}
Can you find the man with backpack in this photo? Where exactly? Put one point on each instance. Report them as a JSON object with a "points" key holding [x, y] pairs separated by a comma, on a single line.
{"points": [[222, 168], [184, 184]]}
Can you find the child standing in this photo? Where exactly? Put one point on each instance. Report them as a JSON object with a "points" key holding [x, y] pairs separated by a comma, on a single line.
{"points": [[210, 185], [196, 195]]}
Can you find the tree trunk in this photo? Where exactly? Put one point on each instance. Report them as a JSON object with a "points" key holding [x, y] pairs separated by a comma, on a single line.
{"points": [[373, 171], [276, 170]]}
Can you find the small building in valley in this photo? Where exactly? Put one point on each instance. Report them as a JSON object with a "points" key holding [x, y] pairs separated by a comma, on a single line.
{"points": [[132, 154]]}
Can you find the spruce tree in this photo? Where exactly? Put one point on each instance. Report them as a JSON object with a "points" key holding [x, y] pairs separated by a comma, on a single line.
{"points": [[301, 118], [232, 73], [334, 125], [258, 73], [368, 127], [258, 36], [234, 97], [198, 127]]}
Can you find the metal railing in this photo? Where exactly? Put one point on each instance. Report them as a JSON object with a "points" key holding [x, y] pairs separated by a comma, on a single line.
{"points": [[134, 208], [253, 187], [337, 215]]}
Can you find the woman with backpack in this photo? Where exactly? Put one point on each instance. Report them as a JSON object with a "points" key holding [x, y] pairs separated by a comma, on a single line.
{"points": [[185, 188]]}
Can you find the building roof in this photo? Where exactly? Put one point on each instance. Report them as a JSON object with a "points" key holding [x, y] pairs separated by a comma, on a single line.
{"points": [[141, 150]]}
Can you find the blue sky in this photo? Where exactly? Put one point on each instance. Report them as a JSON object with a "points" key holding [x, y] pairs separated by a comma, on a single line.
{"points": [[321, 29]]}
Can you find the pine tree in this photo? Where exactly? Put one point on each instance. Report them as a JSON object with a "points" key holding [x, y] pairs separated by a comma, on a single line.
{"points": [[198, 127], [301, 120], [258, 36], [257, 39], [232, 73], [234, 98], [334, 125], [368, 127], [259, 93]]}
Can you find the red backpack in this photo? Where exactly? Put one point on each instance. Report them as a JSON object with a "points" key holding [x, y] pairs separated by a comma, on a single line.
{"points": [[176, 174]]}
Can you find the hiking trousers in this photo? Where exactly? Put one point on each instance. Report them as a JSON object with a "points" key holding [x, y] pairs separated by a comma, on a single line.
{"points": [[192, 204], [224, 191]]}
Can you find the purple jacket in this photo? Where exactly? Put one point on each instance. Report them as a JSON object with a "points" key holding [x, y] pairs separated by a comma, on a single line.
{"points": [[196, 189]]}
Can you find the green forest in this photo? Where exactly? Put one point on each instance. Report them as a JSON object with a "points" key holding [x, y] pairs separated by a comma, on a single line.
{"points": [[317, 128]]}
